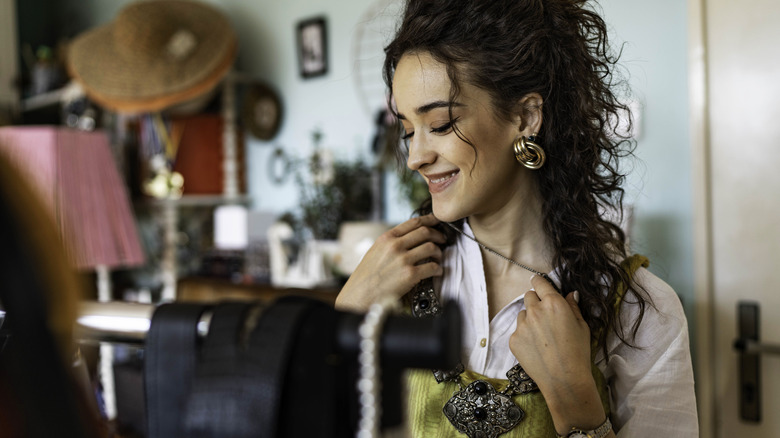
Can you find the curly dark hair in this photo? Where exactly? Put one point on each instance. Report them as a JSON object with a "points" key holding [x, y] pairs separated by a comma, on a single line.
{"points": [[558, 49]]}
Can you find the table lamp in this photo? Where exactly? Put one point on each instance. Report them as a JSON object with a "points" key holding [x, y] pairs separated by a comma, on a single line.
{"points": [[76, 177]]}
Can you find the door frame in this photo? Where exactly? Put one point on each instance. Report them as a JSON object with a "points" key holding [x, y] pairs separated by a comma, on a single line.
{"points": [[704, 301]]}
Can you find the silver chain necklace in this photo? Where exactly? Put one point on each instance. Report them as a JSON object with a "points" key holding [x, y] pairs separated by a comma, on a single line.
{"points": [[496, 253]]}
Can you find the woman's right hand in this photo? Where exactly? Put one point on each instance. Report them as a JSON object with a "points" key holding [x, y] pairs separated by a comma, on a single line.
{"points": [[399, 259]]}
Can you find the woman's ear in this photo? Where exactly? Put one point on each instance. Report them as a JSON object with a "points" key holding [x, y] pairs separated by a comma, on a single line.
{"points": [[529, 114]]}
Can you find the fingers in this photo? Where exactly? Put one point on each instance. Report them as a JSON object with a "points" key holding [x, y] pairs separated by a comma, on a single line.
{"points": [[427, 250], [427, 270], [542, 287], [531, 296], [545, 292], [533, 300], [399, 259], [410, 275], [573, 299], [421, 236], [404, 228], [415, 232]]}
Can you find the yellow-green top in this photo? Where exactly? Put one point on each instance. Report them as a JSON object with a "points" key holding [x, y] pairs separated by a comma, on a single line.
{"points": [[427, 397]]}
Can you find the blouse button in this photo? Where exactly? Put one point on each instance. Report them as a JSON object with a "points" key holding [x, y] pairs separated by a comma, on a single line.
{"points": [[483, 342]]}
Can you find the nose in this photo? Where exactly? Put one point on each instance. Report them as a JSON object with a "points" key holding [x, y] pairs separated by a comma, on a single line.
{"points": [[420, 153]]}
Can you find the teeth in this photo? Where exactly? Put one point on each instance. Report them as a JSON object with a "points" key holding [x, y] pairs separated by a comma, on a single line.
{"points": [[444, 178]]}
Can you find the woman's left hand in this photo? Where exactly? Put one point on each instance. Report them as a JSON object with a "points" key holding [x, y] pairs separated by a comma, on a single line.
{"points": [[552, 344]]}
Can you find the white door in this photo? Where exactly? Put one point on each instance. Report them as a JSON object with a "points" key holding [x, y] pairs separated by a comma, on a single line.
{"points": [[738, 203]]}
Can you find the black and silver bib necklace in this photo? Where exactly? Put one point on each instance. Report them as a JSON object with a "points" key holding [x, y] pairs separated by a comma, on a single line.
{"points": [[478, 409]]}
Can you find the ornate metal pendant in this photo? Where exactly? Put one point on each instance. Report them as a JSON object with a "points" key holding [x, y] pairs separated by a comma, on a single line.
{"points": [[479, 411], [424, 300], [519, 381]]}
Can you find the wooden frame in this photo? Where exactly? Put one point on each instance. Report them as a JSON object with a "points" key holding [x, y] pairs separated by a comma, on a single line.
{"points": [[704, 359], [312, 40]]}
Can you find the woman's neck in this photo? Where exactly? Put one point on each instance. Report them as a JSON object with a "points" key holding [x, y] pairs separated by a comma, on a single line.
{"points": [[516, 231]]}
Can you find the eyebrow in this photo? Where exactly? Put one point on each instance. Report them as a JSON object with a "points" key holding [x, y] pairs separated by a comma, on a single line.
{"points": [[428, 107]]}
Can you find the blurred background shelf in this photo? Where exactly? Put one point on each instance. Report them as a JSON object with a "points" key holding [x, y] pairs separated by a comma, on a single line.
{"points": [[200, 201]]}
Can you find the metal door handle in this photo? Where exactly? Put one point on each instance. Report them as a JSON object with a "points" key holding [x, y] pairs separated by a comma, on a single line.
{"points": [[750, 346], [750, 349]]}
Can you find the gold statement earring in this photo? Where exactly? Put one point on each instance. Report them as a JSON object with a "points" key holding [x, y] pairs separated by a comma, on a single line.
{"points": [[528, 153]]}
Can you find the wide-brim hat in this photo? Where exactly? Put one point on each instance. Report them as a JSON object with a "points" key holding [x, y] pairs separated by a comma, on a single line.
{"points": [[153, 55]]}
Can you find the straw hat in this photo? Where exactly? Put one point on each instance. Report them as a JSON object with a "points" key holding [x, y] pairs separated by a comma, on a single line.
{"points": [[155, 54]]}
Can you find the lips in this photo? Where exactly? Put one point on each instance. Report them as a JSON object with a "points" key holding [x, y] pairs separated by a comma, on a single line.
{"points": [[440, 181]]}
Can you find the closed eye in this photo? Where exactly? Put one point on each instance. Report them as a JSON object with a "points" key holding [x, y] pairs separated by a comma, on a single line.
{"points": [[445, 128]]}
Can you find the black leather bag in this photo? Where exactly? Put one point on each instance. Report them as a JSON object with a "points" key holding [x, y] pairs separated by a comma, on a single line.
{"points": [[288, 369]]}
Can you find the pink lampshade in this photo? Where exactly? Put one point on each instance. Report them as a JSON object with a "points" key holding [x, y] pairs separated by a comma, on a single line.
{"points": [[78, 181]]}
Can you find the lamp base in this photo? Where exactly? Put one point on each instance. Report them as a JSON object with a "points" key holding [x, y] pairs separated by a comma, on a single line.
{"points": [[106, 359]]}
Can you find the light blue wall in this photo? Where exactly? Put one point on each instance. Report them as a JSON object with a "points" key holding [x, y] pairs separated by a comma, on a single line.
{"points": [[330, 103], [654, 54]]}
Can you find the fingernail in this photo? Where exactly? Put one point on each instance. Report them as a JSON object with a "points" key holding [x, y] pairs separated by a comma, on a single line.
{"points": [[577, 296]]}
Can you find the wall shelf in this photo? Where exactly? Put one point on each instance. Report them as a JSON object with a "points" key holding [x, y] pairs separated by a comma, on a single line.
{"points": [[168, 212]]}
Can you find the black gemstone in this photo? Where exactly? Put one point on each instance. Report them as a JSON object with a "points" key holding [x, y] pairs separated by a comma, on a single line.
{"points": [[450, 410], [424, 304], [480, 414], [480, 388], [514, 414]]}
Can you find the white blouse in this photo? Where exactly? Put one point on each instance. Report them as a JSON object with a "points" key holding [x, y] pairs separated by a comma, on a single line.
{"points": [[651, 387]]}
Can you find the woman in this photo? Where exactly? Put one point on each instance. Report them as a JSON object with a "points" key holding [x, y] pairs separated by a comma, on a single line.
{"points": [[40, 394], [505, 107]]}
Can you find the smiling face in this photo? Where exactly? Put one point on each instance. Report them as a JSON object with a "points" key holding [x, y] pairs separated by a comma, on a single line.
{"points": [[463, 180]]}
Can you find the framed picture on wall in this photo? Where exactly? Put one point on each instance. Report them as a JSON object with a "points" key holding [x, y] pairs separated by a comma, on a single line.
{"points": [[312, 47]]}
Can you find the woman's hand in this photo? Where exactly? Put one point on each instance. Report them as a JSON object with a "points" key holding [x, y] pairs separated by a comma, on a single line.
{"points": [[552, 344], [399, 259]]}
